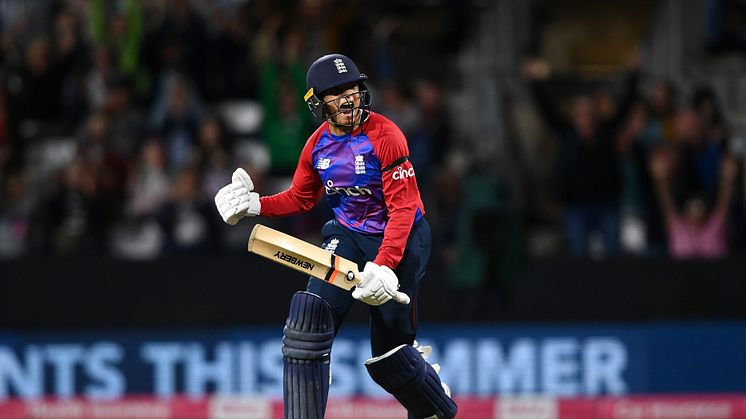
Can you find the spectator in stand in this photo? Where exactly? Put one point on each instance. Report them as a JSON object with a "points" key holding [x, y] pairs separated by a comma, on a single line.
{"points": [[5, 149], [700, 157], [590, 182], [214, 160], [71, 221], [286, 118], [108, 167], [34, 90], [640, 216], [435, 119], [99, 77], [188, 220], [72, 54], [430, 145], [126, 122], [175, 118], [480, 229], [707, 107], [179, 41], [662, 120], [121, 26], [149, 184], [402, 110], [15, 216], [696, 231], [226, 53], [423, 120]]}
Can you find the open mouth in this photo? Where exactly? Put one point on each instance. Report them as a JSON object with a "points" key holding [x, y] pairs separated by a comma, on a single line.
{"points": [[346, 108]]}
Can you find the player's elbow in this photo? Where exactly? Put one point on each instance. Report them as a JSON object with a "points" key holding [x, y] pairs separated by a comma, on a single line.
{"points": [[405, 211], [304, 204]]}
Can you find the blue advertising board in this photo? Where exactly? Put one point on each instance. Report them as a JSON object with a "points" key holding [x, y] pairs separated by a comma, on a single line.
{"points": [[478, 360]]}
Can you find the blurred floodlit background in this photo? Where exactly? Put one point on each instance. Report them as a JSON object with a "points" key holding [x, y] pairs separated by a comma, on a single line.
{"points": [[581, 163]]}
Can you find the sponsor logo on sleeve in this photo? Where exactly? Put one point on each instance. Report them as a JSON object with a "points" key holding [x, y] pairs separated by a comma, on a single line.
{"points": [[401, 173]]}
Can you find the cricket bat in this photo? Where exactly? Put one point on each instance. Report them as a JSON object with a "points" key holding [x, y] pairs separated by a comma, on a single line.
{"points": [[305, 257]]}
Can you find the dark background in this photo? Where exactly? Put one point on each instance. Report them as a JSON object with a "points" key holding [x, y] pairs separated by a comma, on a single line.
{"points": [[120, 120]]}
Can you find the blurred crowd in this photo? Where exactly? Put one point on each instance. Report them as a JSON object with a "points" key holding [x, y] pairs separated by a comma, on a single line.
{"points": [[120, 120], [647, 172]]}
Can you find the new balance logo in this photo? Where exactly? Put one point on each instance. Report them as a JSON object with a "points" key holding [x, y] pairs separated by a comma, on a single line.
{"points": [[359, 165], [341, 68], [323, 164]]}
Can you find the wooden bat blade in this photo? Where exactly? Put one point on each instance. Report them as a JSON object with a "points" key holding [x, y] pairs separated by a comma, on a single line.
{"points": [[303, 257]]}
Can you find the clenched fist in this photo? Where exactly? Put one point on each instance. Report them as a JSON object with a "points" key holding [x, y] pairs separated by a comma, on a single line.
{"points": [[236, 200]]}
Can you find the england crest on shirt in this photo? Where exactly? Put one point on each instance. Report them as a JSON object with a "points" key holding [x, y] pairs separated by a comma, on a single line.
{"points": [[332, 245], [359, 164]]}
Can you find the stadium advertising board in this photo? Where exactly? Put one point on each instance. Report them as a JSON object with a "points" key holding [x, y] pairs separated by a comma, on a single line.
{"points": [[484, 364]]}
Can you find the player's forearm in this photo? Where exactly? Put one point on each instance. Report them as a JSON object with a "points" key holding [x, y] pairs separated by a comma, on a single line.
{"points": [[395, 237], [288, 202]]}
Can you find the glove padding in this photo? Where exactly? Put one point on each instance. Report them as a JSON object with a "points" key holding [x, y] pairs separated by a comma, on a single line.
{"points": [[236, 200], [379, 285]]}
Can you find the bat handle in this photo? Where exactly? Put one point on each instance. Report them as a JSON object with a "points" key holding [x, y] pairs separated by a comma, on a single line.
{"points": [[400, 297]]}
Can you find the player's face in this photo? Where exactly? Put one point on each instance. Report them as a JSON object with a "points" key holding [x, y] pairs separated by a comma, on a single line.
{"points": [[343, 103]]}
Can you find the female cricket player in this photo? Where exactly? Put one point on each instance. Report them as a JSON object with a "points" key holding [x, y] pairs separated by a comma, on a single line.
{"points": [[359, 160]]}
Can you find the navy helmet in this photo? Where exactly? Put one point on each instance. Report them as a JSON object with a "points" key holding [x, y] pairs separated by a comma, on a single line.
{"points": [[329, 72]]}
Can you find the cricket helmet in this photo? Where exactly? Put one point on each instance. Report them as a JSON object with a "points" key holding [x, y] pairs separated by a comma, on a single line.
{"points": [[329, 72]]}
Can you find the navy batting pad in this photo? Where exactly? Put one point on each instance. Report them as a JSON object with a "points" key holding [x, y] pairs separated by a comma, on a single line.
{"points": [[414, 382], [306, 345]]}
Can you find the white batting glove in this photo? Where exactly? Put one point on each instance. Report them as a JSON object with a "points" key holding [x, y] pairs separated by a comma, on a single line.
{"points": [[236, 200], [379, 285]]}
